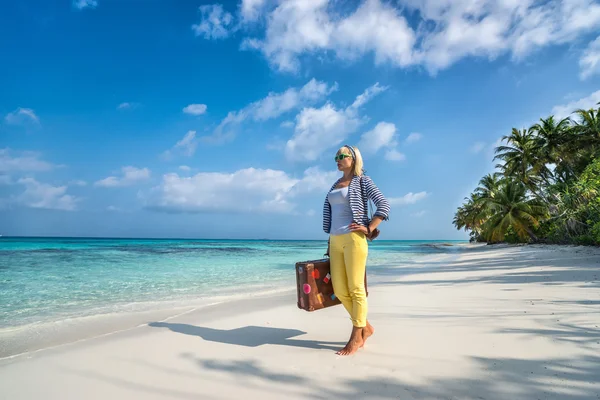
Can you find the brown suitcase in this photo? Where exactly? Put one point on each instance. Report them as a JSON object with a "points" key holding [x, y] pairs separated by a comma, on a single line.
{"points": [[313, 285]]}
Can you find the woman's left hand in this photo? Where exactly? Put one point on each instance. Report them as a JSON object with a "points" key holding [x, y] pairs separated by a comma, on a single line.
{"points": [[358, 228]]}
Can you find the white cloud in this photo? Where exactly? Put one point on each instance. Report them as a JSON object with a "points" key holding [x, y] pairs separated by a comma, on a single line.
{"points": [[418, 214], [131, 176], [565, 110], [409, 198], [186, 146], [185, 168], [490, 28], [314, 180], [263, 190], [590, 60], [81, 4], [382, 136], [113, 208], [78, 183], [42, 195], [276, 104], [195, 109], [215, 23], [477, 147], [553, 22], [463, 28], [272, 106], [443, 31], [250, 9], [320, 129], [287, 124], [26, 161], [376, 28], [413, 137], [127, 106], [298, 26], [368, 94], [188, 143], [294, 27], [21, 116], [394, 155]]}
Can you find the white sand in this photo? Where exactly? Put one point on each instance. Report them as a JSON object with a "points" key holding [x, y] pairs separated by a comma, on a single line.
{"points": [[497, 322]]}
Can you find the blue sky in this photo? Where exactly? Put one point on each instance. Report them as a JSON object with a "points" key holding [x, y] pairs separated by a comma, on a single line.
{"points": [[221, 120]]}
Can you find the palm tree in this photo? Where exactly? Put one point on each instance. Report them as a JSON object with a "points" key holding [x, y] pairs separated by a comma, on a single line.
{"points": [[471, 215], [528, 192], [511, 207], [550, 136], [587, 133], [589, 127], [521, 159], [488, 186]]}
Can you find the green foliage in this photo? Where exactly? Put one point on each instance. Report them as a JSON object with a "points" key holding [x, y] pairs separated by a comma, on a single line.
{"points": [[584, 240], [595, 233], [547, 188], [511, 236]]}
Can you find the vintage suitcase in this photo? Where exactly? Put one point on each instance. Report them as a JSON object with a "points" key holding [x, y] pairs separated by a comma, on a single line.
{"points": [[313, 285]]}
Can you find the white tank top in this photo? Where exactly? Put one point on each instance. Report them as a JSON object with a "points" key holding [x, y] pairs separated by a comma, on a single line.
{"points": [[341, 213]]}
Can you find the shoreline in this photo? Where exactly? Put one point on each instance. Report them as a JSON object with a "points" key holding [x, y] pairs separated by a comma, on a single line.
{"points": [[492, 322], [63, 332], [157, 317], [70, 330]]}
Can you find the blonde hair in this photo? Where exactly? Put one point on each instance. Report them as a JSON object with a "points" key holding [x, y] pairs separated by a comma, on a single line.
{"points": [[357, 158]]}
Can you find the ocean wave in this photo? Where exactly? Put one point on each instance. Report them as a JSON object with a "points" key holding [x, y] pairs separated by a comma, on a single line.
{"points": [[438, 246], [179, 250]]}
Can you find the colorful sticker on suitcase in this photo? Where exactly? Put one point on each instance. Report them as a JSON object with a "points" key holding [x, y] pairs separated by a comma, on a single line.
{"points": [[300, 270], [316, 274], [327, 278], [306, 288], [320, 298], [333, 297]]}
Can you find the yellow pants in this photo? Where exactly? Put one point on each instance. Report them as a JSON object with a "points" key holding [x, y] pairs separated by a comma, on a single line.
{"points": [[348, 260]]}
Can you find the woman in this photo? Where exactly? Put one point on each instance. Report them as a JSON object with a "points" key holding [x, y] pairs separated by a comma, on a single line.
{"points": [[346, 220]]}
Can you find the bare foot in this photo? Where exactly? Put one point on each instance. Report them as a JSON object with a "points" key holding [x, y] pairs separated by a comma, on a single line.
{"points": [[367, 332], [356, 342]]}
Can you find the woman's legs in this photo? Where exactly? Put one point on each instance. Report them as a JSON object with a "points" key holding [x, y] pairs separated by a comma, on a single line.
{"points": [[339, 279], [348, 256], [355, 258]]}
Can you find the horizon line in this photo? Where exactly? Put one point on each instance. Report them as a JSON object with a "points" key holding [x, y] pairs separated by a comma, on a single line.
{"points": [[197, 238]]}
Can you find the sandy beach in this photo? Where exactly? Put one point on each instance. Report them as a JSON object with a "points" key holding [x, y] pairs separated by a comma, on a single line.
{"points": [[491, 322]]}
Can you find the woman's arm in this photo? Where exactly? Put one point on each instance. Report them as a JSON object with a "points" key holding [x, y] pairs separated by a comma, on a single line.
{"points": [[375, 223], [382, 205], [326, 216]]}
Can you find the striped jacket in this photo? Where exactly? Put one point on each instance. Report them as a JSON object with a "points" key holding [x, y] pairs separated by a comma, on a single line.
{"points": [[359, 202]]}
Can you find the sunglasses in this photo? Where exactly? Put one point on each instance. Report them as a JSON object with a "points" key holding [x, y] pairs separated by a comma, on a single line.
{"points": [[340, 157]]}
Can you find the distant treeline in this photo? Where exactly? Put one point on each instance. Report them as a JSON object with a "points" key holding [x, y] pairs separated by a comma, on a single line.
{"points": [[546, 188]]}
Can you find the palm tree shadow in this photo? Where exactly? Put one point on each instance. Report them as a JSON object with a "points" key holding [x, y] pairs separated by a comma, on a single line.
{"points": [[249, 336], [244, 368]]}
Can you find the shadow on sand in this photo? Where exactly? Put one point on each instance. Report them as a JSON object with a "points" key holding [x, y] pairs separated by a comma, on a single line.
{"points": [[249, 336]]}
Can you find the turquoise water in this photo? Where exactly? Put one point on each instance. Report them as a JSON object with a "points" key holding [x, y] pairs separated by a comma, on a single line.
{"points": [[50, 279]]}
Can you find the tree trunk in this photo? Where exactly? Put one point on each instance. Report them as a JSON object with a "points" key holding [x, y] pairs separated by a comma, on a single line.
{"points": [[531, 234]]}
